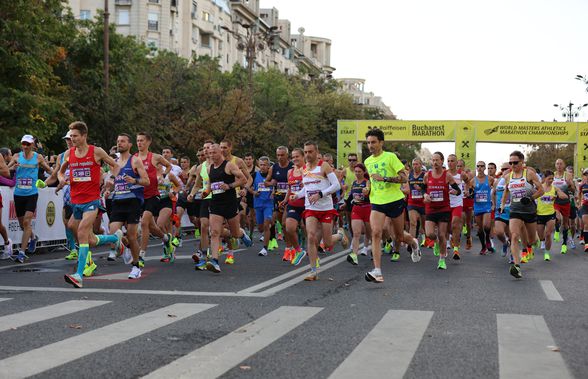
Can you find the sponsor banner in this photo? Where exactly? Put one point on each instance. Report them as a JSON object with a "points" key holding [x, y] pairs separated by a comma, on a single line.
{"points": [[46, 222], [346, 141], [465, 143], [582, 149], [401, 130], [526, 132]]}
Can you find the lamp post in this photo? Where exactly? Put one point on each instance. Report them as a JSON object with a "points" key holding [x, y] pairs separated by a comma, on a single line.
{"points": [[569, 111], [584, 79], [106, 48]]}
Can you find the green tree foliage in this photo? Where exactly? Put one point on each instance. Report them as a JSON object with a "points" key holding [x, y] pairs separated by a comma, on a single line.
{"points": [[543, 156]]}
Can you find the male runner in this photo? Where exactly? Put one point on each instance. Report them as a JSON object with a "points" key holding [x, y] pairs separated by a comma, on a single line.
{"points": [[483, 206], [263, 201], [565, 182], [349, 178], [468, 205], [501, 216], [295, 208], [182, 204], [7, 253], [456, 204], [250, 212], [278, 178], [168, 154]]}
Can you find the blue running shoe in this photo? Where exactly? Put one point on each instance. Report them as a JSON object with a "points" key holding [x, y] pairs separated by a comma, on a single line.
{"points": [[245, 238], [212, 265], [32, 246]]}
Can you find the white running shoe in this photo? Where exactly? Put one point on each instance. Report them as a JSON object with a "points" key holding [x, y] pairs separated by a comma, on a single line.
{"points": [[5, 255], [261, 238], [363, 251], [127, 256], [415, 255], [262, 252], [135, 273], [572, 243], [111, 255]]}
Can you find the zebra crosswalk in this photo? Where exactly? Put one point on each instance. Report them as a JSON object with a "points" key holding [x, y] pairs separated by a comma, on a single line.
{"points": [[523, 342]]}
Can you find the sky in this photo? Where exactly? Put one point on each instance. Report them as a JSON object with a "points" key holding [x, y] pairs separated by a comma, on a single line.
{"points": [[505, 60]]}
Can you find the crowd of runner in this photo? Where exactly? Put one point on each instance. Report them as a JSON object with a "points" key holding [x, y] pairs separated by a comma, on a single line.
{"points": [[302, 199]]}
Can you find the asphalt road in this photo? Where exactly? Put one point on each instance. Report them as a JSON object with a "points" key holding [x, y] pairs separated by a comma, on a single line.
{"points": [[258, 319]]}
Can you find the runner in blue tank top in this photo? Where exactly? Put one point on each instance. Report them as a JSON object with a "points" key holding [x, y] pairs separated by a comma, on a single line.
{"points": [[263, 202], [483, 206]]}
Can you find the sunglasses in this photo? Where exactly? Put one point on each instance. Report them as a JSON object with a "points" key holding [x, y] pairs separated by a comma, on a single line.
{"points": [[480, 165], [352, 160], [25, 144], [513, 163]]}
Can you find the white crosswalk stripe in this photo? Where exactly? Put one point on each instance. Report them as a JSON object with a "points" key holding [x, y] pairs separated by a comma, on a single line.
{"points": [[5, 298], [16, 320], [218, 357], [396, 337], [70, 349]]}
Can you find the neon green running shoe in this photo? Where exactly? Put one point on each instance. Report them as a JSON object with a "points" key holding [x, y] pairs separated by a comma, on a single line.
{"points": [[318, 263], [352, 258], [464, 230], [436, 249], [395, 257], [442, 265], [387, 248], [72, 256], [90, 265], [546, 257], [197, 233], [564, 249]]}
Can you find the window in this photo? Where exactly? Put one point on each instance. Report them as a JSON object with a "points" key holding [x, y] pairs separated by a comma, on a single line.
{"points": [[153, 22], [207, 17], [205, 40], [123, 17], [85, 14], [154, 1], [220, 45]]}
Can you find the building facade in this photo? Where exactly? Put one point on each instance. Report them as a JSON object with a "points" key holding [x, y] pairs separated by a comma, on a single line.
{"points": [[356, 88]]}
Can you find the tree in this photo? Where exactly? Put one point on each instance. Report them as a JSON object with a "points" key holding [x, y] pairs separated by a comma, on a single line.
{"points": [[543, 156]]}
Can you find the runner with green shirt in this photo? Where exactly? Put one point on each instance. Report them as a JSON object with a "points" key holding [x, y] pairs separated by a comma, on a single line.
{"points": [[386, 175]]}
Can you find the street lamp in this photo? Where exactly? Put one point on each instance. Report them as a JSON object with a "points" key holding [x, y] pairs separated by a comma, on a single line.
{"points": [[569, 111], [253, 42], [584, 79]]}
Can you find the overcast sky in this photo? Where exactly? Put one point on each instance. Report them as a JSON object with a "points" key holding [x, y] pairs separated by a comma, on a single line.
{"points": [[456, 59]]}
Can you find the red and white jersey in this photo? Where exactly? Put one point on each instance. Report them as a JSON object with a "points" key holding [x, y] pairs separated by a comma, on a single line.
{"points": [[457, 200], [314, 181]]}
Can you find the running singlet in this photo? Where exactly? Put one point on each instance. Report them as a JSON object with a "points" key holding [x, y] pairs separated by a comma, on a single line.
{"points": [[314, 182], [295, 183], [457, 200], [563, 186], [415, 186], [584, 191], [151, 190], [356, 193], [84, 177], [27, 174], [482, 200], [500, 187], [519, 188], [438, 191], [386, 164], [164, 187], [123, 189], [264, 193], [280, 174], [205, 181], [217, 177], [545, 203], [66, 191]]}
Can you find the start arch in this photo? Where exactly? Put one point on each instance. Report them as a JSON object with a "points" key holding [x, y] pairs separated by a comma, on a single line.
{"points": [[465, 134]]}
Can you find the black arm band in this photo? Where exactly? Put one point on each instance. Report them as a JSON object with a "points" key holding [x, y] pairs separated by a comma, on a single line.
{"points": [[455, 186]]}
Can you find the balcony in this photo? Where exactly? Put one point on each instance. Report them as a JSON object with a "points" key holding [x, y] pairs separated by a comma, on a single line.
{"points": [[123, 2], [206, 27]]}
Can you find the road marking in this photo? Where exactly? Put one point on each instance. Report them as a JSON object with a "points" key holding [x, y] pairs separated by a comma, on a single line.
{"points": [[289, 274], [526, 348], [129, 291], [17, 320], [550, 290], [219, 356], [5, 298], [396, 337], [70, 349]]}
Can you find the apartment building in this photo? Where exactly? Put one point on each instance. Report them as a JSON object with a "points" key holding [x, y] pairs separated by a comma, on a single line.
{"points": [[356, 88]]}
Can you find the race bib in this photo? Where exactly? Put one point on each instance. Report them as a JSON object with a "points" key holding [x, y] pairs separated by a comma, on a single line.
{"points": [[436, 196], [585, 196], [416, 194], [295, 188], [263, 188], [24, 183], [516, 196], [217, 188], [198, 195], [281, 188], [481, 197], [121, 188], [358, 197], [81, 175], [547, 199]]}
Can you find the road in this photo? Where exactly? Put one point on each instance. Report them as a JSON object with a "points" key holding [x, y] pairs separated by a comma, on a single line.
{"points": [[258, 319]]}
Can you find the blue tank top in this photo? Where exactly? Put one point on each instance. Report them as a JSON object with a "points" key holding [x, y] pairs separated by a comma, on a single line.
{"points": [[124, 190], [500, 187], [280, 174], [482, 200], [357, 195], [264, 198], [27, 174]]}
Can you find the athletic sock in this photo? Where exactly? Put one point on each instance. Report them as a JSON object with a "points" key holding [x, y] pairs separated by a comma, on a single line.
{"points": [[82, 256], [487, 232], [585, 234], [272, 231], [103, 239], [482, 237], [71, 241]]}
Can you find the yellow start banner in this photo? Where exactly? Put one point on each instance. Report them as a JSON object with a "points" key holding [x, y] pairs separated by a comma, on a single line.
{"points": [[526, 132], [400, 130]]}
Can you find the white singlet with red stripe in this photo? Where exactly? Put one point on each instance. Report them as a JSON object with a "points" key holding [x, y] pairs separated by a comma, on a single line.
{"points": [[314, 181], [457, 200]]}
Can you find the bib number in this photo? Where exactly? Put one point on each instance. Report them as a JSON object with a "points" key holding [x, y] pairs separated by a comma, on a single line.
{"points": [[436, 196], [81, 175], [481, 197], [217, 188], [416, 194], [24, 183]]}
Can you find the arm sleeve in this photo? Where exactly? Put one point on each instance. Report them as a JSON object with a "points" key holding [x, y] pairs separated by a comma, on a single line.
{"points": [[300, 194], [335, 185]]}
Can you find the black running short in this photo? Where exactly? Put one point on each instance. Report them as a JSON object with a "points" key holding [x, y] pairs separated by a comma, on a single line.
{"points": [[152, 205], [204, 208], [24, 204], [166, 202], [544, 219], [527, 218], [192, 208], [126, 211], [438, 217], [225, 209], [392, 210]]}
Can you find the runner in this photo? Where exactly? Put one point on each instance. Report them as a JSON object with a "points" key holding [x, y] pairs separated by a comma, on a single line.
{"points": [[386, 174], [263, 201], [456, 203], [224, 178], [278, 178], [84, 162], [250, 212], [319, 183], [151, 202], [565, 182], [483, 207], [582, 198], [416, 205], [7, 252], [468, 206], [501, 216], [26, 193], [295, 208], [164, 219], [349, 178], [546, 212], [360, 213], [522, 187], [127, 198], [437, 204], [168, 154], [183, 206]]}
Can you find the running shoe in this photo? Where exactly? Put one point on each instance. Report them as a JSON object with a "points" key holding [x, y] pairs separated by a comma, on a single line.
{"points": [[344, 238], [510, 259], [135, 273], [280, 236], [111, 256], [464, 230], [197, 256], [245, 239], [564, 249], [436, 249], [230, 259], [581, 240], [90, 265], [8, 251], [504, 250], [212, 265], [415, 254], [374, 276], [32, 246], [318, 263], [272, 245], [262, 252], [261, 238], [395, 257], [19, 258], [423, 240], [5, 255], [165, 258], [490, 248], [387, 248], [442, 265], [469, 243], [312, 276], [363, 251], [530, 253], [586, 248], [127, 256], [484, 250], [515, 270], [546, 257], [352, 258], [179, 238], [298, 257], [176, 242], [141, 262], [74, 280], [200, 266], [456, 256], [286, 255], [196, 233], [556, 236], [572, 243], [119, 246]]}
